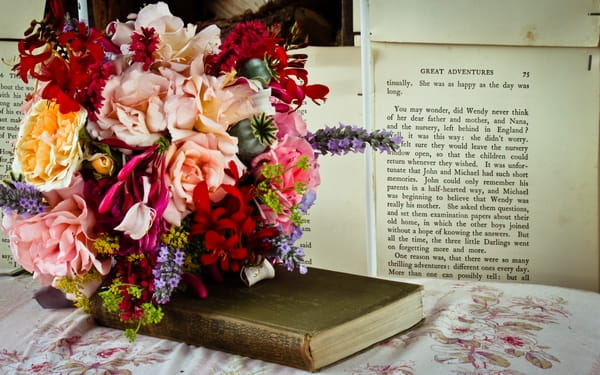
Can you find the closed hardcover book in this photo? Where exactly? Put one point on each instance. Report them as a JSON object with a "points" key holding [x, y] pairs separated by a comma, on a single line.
{"points": [[305, 321]]}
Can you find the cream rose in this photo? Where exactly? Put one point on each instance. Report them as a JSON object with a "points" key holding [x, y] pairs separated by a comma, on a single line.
{"points": [[178, 43], [210, 104], [47, 150], [222, 101]]}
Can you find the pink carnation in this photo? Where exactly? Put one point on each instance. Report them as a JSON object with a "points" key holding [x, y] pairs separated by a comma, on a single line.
{"points": [[56, 243], [287, 152]]}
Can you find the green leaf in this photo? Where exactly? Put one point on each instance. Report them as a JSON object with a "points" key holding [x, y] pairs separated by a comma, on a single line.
{"points": [[110, 301], [135, 291], [131, 334], [272, 170], [300, 187], [303, 163], [151, 313]]}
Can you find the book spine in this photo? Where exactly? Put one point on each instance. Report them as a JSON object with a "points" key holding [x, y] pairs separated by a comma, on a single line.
{"points": [[219, 332]]}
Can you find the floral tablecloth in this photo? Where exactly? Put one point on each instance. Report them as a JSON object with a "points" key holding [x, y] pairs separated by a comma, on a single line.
{"points": [[470, 328]]}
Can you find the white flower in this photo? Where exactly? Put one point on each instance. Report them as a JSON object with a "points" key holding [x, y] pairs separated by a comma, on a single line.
{"points": [[139, 217]]}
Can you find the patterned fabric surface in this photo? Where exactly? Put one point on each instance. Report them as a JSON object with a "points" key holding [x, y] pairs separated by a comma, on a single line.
{"points": [[470, 328]]}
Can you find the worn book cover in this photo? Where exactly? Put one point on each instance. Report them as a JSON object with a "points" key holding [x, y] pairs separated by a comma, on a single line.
{"points": [[305, 321]]}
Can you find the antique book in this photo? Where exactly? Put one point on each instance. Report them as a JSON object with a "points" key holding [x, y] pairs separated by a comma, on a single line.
{"points": [[338, 220], [497, 175], [12, 95], [305, 321]]}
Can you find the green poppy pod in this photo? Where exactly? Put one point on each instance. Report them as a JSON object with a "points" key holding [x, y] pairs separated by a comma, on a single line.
{"points": [[248, 145], [256, 69]]}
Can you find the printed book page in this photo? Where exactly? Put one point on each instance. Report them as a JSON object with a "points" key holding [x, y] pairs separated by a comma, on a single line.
{"points": [[15, 16], [488, 22], [335, 237], [12, 95], [497, 178]]}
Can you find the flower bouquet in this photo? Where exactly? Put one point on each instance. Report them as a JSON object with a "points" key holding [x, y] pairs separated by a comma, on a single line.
{"points": [[152, 156]]}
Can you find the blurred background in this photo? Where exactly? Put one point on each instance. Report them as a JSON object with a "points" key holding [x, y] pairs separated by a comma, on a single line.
{"points": [[326, 23]]}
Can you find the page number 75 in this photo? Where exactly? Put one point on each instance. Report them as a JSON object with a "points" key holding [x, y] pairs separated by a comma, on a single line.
{"points": [[525, 74]]}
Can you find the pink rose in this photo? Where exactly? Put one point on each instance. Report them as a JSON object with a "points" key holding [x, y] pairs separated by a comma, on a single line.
{"points": [[133, 109], [200, 157], [56, 243], [288, 152], [290, 123]]}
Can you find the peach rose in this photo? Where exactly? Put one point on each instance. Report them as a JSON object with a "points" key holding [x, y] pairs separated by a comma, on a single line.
{"points": [[133, 109], [56, 243], [223, 101], [200, 157], [218, 105], [102, 164], [47, 152]]}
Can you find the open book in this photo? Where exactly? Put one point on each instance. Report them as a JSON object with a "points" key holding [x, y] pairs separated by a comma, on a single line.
{"points": [[12, 94], [14, 18], [497, 177]]}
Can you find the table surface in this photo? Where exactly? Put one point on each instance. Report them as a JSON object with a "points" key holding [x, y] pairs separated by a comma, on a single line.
{"points": [[469, 328]]}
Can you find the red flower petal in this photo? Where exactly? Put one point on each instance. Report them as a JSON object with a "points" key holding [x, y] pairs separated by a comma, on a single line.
{"points": [[200, 197], [238, 253]]}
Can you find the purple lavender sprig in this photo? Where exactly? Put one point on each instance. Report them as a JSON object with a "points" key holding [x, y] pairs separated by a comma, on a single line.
{"points": [[167, 274], [22, 198], [290, 255], [346, 138]]}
